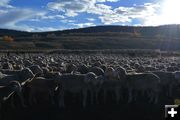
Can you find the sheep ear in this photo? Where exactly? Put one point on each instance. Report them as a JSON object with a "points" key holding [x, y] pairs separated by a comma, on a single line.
{"points": [[23, 83], [56, 88]]}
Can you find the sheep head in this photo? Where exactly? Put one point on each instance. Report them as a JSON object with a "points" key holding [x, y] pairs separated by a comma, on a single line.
{"points": [[26, 74], [90, 77]]}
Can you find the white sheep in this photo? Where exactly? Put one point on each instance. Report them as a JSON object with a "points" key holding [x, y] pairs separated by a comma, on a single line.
{"points": [[141, 82], [75, 83]]}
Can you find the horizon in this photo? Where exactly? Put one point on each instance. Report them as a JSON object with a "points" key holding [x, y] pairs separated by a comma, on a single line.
{"points": [[57, 15], [88, 27]]}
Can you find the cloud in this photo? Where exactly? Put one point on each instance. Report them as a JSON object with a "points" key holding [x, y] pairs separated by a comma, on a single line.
{"points": [[68, 21], [50, 17], [16, 15], [106, 13], [5, 4], [81, 25], [72, 8], [11, 18], [35, 28], [90, 19], [66, 10], [107, 0], [100, 9], [127, 14]]}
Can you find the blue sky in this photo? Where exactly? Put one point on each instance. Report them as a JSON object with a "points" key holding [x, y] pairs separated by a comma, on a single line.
{"points": [[48, 15]]}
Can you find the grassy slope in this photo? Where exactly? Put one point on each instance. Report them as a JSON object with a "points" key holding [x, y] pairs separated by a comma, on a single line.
{"points": [[101, 37]]}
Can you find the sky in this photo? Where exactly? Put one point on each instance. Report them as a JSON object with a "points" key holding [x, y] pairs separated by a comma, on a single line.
{"points": [[50, 15]]}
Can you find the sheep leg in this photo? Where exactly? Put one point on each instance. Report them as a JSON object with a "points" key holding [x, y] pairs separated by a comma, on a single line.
{"points": [[135, 95], [117, 96], [51, 97], [0, 110], [92, 97], [30, 100], [156, 97], [170, 90], [97, 97], [12, 102], [61, 101], [130, 96], [84, 92], [21, 100], [104, 96], [151, 96], [0, 107]]}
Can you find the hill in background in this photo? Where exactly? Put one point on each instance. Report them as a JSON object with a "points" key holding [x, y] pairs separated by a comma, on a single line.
{"points": [[165, 37]]}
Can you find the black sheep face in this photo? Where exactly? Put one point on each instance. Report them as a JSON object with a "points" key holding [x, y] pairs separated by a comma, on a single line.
{"points": [[90, 77], [26, 74], [36, 69], [100, 79], [15, 86]]}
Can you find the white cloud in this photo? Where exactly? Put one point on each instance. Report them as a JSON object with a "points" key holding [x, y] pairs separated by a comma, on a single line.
{"points": [[81, 25], [106, 14], [16, 15], [5, 4], [68, 21], [46, 29], [72, 8], [71, 13], [90, 19], [107, 0], [115, 18], [100, 9], [12, 17], [52, 17], [127, 14]]}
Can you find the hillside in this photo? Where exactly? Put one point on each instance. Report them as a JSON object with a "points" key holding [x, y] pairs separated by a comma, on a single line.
{"points": [[165, 37]]}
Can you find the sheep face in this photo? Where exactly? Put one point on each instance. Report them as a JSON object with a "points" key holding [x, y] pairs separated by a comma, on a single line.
{"points": [[100, 79], [36, 69], [121, 72], [90, 77], [27, 74], [15, 86]]}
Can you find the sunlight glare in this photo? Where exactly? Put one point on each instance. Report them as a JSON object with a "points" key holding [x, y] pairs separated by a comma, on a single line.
{"points": [[170, 12]]}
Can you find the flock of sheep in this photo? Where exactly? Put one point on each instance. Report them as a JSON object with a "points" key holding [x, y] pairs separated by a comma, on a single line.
{"points": [[39, 77]]}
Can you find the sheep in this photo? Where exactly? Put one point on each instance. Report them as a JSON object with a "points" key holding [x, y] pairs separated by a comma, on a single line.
{"points": [[83, 69], [111, 74], [27, 63], [177, 75], [172, 69], [104, 67], [97, 70], [95, 85], [6, 92], [40, 87], [20, 76], [75, 83], [70, 68], [112, 85], [7, 65], [36, 70], [143, 82], [167, 80]]}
